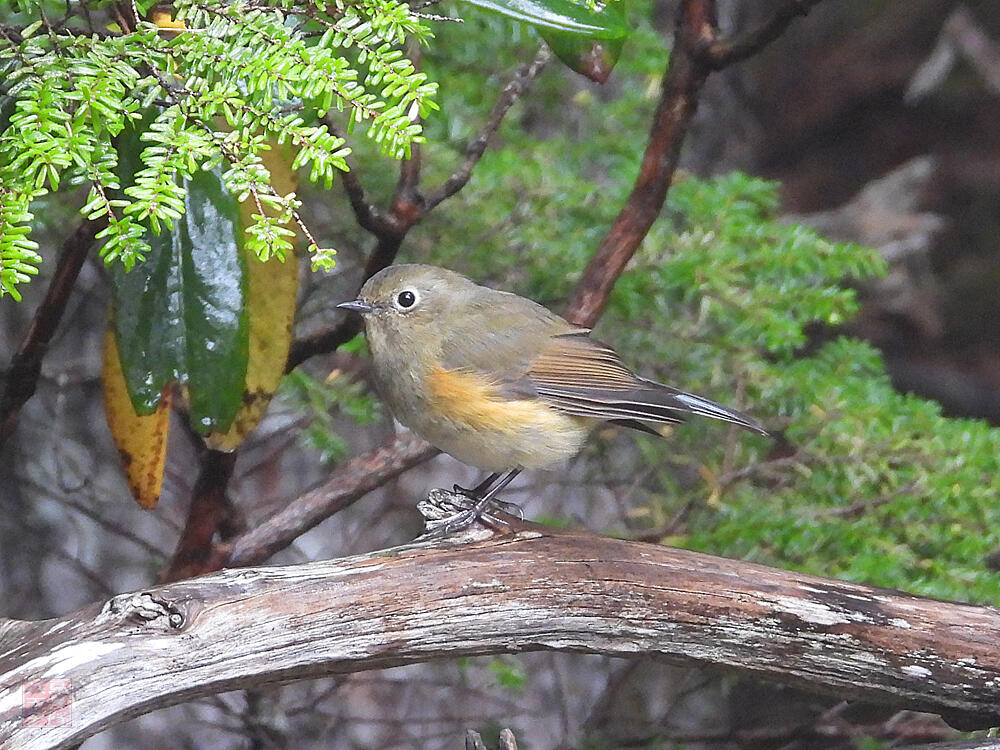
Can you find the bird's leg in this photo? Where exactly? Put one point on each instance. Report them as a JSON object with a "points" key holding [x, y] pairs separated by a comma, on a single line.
{"points": [[466, 518], [477, 492], [488, 499]]}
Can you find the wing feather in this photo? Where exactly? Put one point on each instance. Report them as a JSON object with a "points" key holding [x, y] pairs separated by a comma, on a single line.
{"points": [[533, 353], [582, 376]]}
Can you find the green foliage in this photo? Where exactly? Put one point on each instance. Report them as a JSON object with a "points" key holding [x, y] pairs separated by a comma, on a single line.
{"points": [[723, 300], [323, 401], [243, 73], [18, 258], [882, 488], [508, 671]]}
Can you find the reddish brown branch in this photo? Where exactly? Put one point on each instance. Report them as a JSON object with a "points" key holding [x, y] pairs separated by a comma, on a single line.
{"points": [[724, 52], [407, 203], [346, 485], [696, 53], [207, 511], [26, 366], [684, 78]]}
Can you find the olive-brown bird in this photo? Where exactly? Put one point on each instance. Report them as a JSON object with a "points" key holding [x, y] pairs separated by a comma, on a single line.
{"points": [[500, 382]]}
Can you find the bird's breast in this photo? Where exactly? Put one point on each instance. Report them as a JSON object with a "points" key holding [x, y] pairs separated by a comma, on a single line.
{"points": [[466, 415]]}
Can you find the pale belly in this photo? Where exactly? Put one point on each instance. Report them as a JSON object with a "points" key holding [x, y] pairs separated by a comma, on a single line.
{"points": [[466, 417], [519, 444]]}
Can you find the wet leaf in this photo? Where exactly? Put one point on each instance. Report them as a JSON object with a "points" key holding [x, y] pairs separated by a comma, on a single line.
{"points": [[563, 16], [271, 292], [180, 315], [593, 58], [141, 440]]}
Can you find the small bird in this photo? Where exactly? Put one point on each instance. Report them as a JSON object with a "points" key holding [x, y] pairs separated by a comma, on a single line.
{"points": [[500, 382]]}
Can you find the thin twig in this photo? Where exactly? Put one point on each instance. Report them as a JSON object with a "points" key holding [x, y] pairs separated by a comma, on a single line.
{"points": [[510, 94], [26, 365], [346, 485], [366, 213], [724, 52], [858, 509]]}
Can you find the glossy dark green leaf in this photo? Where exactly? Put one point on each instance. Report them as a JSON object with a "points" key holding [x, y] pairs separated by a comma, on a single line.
{"points": [[593, 58], [180, 315], [562, 15]]}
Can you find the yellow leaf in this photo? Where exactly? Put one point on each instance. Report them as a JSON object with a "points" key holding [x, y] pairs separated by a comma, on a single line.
{"points": [[161, 16], [141, 440], [271, 290], [715, 489]]}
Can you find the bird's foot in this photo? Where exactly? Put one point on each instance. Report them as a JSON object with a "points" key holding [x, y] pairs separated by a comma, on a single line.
{"points": [[457, 522], [494, 503], [478, 510], [511, 509]]}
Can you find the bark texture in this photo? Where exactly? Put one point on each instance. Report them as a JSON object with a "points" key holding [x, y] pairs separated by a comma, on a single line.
{"points": [[530, 589]]}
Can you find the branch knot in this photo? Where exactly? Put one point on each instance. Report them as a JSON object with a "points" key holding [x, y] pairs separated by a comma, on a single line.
{"points": [[145, 609]]}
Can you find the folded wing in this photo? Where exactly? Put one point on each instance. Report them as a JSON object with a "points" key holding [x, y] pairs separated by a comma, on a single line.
{"points": [[581, 376]]}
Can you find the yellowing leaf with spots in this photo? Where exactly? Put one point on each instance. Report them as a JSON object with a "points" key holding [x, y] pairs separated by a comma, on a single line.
{"points": [[272, 286], [141, 440]]}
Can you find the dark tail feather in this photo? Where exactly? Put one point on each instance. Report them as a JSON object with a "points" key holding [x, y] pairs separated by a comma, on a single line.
{"points": [[703, 407], [635, 424], [652, 402]]}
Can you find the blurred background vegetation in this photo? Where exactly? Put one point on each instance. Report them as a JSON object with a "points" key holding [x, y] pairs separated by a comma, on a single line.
{"points": [[872, 340]]}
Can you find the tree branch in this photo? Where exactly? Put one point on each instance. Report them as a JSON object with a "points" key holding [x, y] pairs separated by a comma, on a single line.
{"points": [[724, 52], [682, 83], [366, 213], [349, 483], [697, 52], [26, 366], [530, 590], [510, 94], [205, 515]]}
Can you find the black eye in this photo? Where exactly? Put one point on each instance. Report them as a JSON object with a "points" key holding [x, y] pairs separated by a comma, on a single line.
{"points": [[406, 299]]}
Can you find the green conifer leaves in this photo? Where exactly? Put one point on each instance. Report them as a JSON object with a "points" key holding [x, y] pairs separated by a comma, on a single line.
{"points": [[226, 76]]}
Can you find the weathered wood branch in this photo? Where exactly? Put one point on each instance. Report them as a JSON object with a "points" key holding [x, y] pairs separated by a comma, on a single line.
{"points": [[526, 590]]}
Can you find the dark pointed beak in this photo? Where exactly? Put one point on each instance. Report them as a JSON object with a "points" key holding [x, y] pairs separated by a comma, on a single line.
{"points": [[357, 306]]}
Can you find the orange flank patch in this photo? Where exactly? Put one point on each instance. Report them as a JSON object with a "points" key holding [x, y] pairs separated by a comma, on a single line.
{"points": [[474, 402]]}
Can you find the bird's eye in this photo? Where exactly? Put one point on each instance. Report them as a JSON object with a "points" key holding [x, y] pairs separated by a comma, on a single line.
{"points": [[406, 299]]}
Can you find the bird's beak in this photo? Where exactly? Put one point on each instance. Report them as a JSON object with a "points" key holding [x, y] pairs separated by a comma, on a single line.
{"points": [[357, 306]]}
